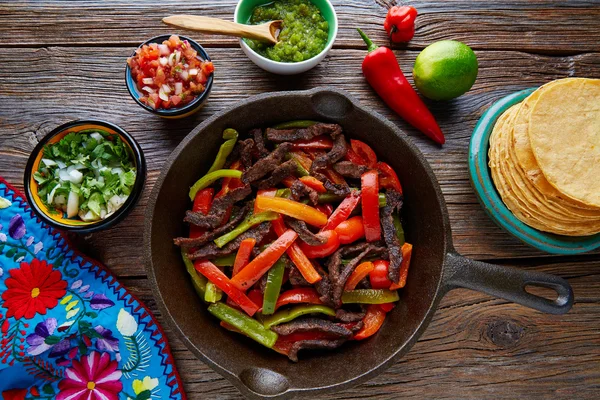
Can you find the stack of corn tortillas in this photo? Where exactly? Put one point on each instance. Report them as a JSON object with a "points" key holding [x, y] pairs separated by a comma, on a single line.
{"points": [[544, 157]]}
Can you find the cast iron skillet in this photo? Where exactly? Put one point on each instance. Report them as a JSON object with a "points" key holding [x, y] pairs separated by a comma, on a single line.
{"points": [[436, 268]]}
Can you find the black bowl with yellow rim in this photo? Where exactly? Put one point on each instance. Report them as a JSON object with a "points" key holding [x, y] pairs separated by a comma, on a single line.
{"points": [[58, 219]]}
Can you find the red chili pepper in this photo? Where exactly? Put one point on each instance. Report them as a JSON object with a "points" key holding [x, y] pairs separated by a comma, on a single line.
{"points": [[400, 23], [383, 73], [202, 203], [351, 230], [304, 295], [297, 256], [388, 178], [216, 276], [264, 261], [313, 183], [406, 256], [379, 275], [320, 142], [343, 211], [369, 182], [326, 209], [323, 250], [365, 152], [372, 322], [243, 255]]}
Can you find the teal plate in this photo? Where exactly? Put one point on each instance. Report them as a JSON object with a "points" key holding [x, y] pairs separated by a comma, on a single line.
{"points": [[489, 198]]}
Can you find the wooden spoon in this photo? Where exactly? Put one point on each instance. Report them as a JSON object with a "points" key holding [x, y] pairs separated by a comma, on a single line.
{"points": [[268, 32]]}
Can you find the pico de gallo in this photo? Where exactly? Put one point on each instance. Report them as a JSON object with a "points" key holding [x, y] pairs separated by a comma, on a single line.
{"points": [[170, 74], [296, 238]]}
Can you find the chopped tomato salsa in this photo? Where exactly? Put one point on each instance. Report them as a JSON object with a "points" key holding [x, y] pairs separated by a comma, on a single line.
{"points": [[170, 74]]}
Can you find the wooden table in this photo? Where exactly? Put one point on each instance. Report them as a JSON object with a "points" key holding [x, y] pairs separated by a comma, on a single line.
{"points": [[65, 60]]}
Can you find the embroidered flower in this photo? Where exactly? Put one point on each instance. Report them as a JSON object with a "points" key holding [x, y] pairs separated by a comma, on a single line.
{"points": [[107, 342], [94, 376], [143, 388], [32, 289], [38, 246], [100, 302], [61, 348], [29, 241], [14, 394], [3, 237], [37, 340], [4, 203], [126, 324], [16, 227]]}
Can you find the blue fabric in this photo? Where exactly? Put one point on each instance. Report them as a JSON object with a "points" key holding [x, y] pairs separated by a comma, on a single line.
{"points": [[70, 331]]}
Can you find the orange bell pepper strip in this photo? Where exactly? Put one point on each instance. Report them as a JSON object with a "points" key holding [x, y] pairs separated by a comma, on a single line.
{"points": [[358, 275], [293, 209], [343, 211], [264, 261], [264, 192], [406, 256], [216, 276], [243, 255], [369, 182], [297, 256], [313, 183], [372, 322]]}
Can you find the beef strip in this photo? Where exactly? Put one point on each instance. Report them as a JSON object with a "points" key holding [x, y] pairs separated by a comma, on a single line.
{"points": [[303, 232], [300, 190], [296, 278], [325, 290], [246, 150], [365, 283], [339, 150], [259, 142], [289, 135], [312, 325], [278, 174], [218, 208], [350, 170], [349, 316], [267, 164], [211, 249], [344, 274], [394, 201], [335, 188], [357, 326], [262, 283], [313, 344], [210, 235]]}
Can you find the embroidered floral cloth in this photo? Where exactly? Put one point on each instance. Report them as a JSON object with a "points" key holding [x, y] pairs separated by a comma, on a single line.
{"points": [[70, 331]]}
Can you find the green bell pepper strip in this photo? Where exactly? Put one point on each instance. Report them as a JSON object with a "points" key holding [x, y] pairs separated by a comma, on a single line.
{"points": [[286, 193], [248, 326], [370, 296], [212, 293], [302, 123], [399, 229], [273, 287], [224, 261], [230, 136], [246, 224], [283, 316], [211, 177], [198, 281]]}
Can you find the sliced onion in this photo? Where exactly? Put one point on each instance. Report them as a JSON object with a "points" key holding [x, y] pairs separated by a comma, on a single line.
{"points": [[184, 75], [61, 164], [148, 89], [76, 176], [48, 162], [148, 81], [163, 96], [171, 59], [166, 88], [72, 205], [98, 137], [164, 49], [178, 87], [51, 195], [177, 56], [163, 61], [193, 71], [63, 175]]}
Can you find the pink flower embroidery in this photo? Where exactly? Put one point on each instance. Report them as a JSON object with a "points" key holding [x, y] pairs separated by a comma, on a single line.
{"points": [[93, 377]]}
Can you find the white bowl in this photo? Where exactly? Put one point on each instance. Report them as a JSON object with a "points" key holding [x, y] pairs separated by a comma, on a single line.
{"points": [[283, 68]]}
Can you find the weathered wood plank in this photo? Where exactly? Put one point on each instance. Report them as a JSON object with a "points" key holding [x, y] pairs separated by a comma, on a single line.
{"points": [[538, 26], [45, 87], [475, 347]]}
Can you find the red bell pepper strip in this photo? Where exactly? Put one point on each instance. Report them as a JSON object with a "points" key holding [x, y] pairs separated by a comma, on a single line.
{"points": [[202, 203], [358, 275], [388, 178], [406, 256], [216, 276], [365, 152], [350, 230], [243, 255], [303, 295], [283, 345], [257, 297], [293, 209], [326, 209], [320, 142], [264, 261], [400, 23], [383, 73], [369, 182], [297, 256], [343, 211], [379, 275], [264, 192], [372, 322], [313, 183], [322, 250], [354, 158], [387, 307]]}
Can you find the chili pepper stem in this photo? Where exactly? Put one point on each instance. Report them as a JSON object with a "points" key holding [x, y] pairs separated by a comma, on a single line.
{"points": [[370, 45]]}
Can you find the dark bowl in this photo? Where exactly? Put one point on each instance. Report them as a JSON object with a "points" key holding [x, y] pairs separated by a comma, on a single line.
{"points": [[72, 225], [173, 113]]}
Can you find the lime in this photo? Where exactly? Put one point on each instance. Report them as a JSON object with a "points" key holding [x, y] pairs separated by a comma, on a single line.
{"points": [[445, 70]]}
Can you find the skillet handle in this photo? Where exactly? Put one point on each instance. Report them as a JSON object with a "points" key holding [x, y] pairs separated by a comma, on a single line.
{"points": [[507, 283]]}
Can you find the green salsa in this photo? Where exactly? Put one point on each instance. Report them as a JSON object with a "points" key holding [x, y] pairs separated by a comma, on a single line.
{"points": [[304, 33]]}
